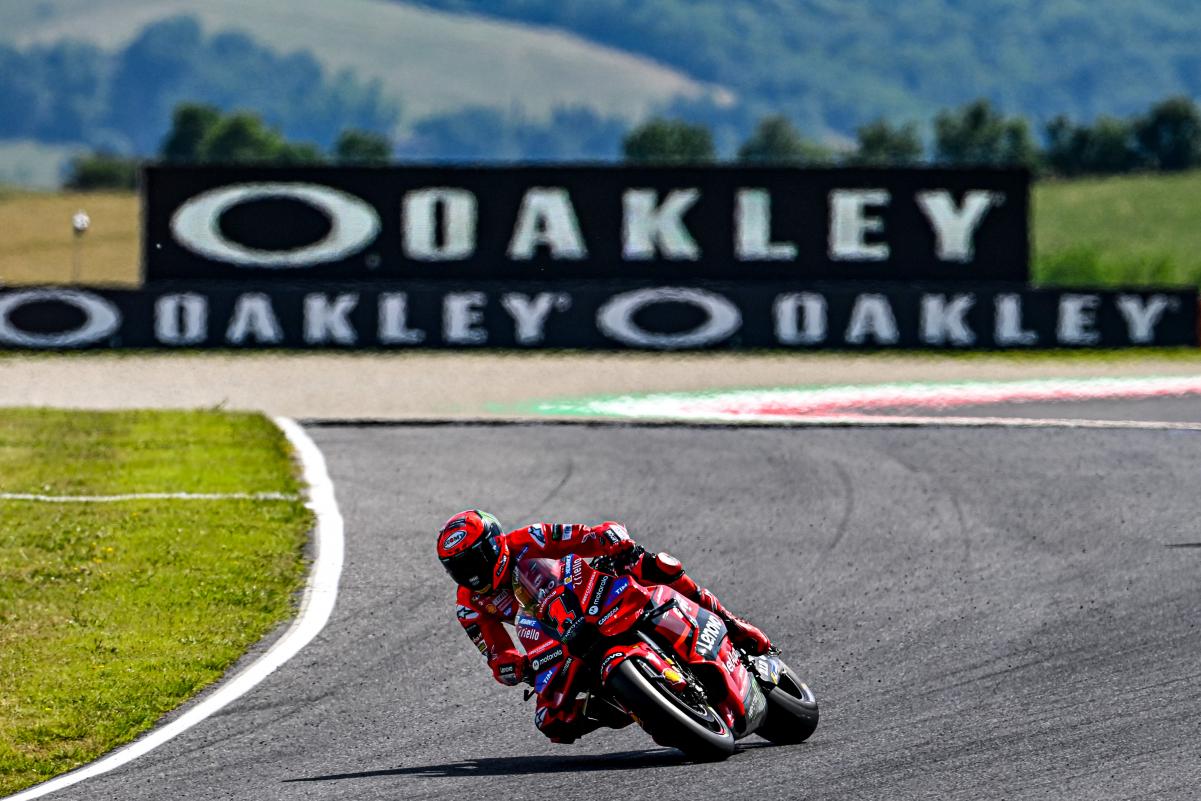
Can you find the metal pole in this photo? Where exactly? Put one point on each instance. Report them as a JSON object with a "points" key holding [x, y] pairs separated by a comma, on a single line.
{"points": [[79, 224], [75, 257]]}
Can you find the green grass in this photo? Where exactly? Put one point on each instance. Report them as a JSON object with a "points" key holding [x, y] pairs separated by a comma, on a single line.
{"points": [[113, 614], [1142, 230]]}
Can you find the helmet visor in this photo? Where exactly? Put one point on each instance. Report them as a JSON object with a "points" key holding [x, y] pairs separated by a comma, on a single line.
{"points": [[473, 567]]}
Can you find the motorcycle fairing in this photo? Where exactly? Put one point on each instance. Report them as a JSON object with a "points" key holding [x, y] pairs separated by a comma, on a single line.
{"points": [[768, 669], [558, 685], [680, 629], [620, 653], [542, 648], [701, 638]]}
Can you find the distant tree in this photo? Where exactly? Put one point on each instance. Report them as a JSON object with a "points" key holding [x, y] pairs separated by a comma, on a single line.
{"points": [[240, 138], [173, 60], [146, 74], [478, 133], [102, 171], [54, 93], [1066, 146], [74, 101], [663, 141], [1108, 147], [1169, 135], [883, 145], [362, 147], [190, 124], [977, 134], [1112, 147], [299, 153], [572, 132], [776, 140]]}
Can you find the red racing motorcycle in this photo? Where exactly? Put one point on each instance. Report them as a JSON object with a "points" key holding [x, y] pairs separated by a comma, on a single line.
{"points": [[649, 654]]}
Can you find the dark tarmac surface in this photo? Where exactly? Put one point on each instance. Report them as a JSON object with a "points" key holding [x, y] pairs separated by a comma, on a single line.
{"points": [[983, 613], [1179, 409]]}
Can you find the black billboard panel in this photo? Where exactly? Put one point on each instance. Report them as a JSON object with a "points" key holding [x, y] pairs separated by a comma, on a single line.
{"points": [[550, 224], [595, 317]]}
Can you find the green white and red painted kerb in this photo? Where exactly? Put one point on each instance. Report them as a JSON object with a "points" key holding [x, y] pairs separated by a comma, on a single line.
{"points": [[854, 401]]}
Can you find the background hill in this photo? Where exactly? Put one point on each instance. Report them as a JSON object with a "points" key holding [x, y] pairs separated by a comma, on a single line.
{"points": [[835, 65], [106, 74], [429, 61], [565, 79]]}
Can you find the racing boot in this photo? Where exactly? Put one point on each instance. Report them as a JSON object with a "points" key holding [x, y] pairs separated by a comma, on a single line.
{"points": [[565, 724], [663, 568]]}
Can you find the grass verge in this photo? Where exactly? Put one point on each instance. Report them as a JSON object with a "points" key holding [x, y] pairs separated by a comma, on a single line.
{"points": [[113, 614], [1138, 230], [39, 246]]}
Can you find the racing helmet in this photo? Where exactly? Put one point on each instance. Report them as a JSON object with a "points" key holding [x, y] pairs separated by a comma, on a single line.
{"points": [[473, 549]]}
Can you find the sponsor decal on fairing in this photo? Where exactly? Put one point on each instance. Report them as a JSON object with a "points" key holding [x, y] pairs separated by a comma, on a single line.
{"points": [[546, 658], [710, 636]]}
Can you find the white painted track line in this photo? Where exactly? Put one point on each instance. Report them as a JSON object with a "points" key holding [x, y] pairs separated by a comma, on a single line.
{"points": [[320, 593], [150, 496]]}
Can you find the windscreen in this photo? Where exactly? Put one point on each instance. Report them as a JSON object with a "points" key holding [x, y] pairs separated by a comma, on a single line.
{"points": [[536, 577]]}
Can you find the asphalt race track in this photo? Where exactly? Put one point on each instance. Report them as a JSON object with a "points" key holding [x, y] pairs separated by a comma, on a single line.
{"points": [[984, 613]]}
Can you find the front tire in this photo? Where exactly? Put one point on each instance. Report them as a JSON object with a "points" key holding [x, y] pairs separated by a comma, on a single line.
{"points": [[792, 712], [694, 728]]}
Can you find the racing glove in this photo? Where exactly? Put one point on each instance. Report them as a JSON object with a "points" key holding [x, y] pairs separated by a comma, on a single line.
{"points": [[510, 668], [616, 539]]}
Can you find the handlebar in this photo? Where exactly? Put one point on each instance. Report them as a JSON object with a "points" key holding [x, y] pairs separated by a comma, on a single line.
{"points": [[618, 566]]}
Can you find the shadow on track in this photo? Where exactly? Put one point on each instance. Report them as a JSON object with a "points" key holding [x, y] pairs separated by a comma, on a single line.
{"points": [[518, 766]]}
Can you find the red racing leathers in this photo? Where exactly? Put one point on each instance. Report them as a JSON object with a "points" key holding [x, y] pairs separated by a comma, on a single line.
{"points": [[483, 614]]}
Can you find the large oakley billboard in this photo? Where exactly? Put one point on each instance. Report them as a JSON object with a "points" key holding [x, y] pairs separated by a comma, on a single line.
{"points": [[547, 224]]}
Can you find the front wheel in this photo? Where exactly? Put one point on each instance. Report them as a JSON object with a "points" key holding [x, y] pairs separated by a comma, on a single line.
{"points": [[792, 712], [688, 724]]}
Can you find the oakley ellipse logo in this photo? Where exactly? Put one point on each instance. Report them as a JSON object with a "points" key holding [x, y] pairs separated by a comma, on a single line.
{"points": [[353, 225], [616, 318], [100, 319]]}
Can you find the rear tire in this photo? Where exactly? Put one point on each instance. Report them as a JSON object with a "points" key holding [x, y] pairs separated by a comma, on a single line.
{"points": [[792, 712], [699, 732]]}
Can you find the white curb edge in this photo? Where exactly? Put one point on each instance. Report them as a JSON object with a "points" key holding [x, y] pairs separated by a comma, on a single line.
{"points": [[317, 604]]}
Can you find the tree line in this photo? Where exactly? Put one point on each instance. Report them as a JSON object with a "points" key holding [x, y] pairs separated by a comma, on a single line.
{"points": [[121, 102], [834, 66], [1166, 138], [203, 134]]}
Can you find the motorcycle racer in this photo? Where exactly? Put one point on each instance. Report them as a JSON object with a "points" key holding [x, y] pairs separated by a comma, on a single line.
{"points": [[480, 556]]}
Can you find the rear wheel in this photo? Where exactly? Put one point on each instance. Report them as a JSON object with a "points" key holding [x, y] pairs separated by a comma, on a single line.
{"points": [[792, 712], [680, 720]]}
